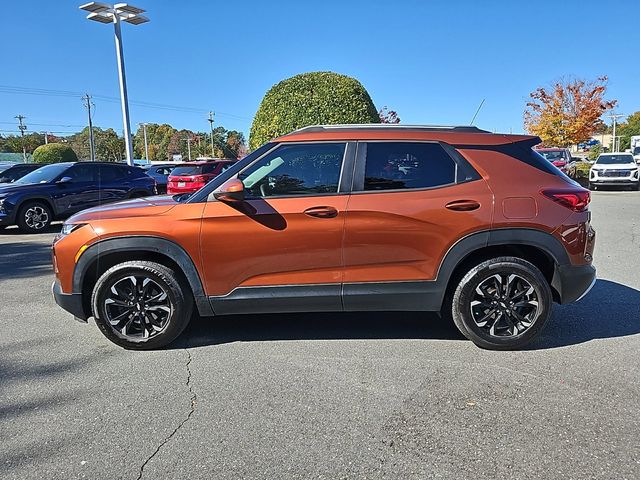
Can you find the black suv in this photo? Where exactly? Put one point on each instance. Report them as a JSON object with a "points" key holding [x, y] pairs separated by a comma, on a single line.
{"points": [[11, 173], [62, 189]]}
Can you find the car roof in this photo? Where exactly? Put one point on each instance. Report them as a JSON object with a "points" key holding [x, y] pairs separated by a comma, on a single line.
{"points": [[204, 162], [457, 135]]}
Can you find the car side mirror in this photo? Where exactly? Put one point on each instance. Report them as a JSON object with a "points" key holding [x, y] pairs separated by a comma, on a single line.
{"points": [[64, 180], [230, 191]]}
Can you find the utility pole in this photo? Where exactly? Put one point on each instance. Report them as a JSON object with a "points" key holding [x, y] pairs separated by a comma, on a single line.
{"points": [[92, 145], [188, 140], [211, 125], [22, 127], [46, 138], [614, 117], [146, 145]]}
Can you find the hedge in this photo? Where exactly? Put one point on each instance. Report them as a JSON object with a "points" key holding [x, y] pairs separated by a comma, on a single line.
{"points": [[313, 98], [54, 153]]}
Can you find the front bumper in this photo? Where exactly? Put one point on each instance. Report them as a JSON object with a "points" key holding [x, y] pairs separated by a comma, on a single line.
{"points": [[71, 302], [572, 282], [614, 181]]}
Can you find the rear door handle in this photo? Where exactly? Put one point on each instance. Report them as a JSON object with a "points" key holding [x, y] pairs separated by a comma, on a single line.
{"points": [[321, 212], [462, 205]]}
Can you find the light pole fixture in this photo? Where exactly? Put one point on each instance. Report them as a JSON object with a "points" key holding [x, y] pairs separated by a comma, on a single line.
{"points": [[120, 12]]}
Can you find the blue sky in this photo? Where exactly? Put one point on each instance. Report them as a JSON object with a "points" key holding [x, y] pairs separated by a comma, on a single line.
{"points": [[432, 61]]}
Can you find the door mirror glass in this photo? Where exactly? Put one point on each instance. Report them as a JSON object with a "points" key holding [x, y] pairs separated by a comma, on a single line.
{"points": [[230, 191]]}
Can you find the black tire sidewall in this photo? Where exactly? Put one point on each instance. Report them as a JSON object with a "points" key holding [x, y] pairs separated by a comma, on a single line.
{"points": [[465, 291], [182, 303], [21, 221]]}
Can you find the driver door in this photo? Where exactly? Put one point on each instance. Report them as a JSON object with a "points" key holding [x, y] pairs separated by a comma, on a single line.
{"points": [[281, 248]]}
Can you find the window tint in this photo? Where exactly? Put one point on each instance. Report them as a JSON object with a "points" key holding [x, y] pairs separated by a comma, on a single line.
{"points": [[164, 170], [81, 173], [187, 170], [109, 173], [308, 169], [402, 165]]}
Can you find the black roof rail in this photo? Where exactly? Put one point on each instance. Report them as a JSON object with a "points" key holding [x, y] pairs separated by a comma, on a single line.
{"points": [[385, 126]]}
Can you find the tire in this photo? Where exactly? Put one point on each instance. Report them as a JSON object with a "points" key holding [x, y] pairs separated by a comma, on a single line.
{"points": [[34, 217], [482, 313], [138, 323]]}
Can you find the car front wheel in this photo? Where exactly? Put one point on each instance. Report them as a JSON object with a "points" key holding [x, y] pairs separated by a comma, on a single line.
{"points": [[141, 305], [34, 217], [502, 303]]}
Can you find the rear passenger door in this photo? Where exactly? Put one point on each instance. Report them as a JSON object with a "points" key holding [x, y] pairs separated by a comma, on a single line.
{"points": [[112, 183], [411, 202]]}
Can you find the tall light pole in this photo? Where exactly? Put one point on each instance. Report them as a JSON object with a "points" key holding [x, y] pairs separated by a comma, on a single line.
{"points": [[614, 117], [105, 13]]}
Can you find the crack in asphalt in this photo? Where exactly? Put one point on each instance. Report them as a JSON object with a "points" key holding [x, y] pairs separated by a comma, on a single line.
{"points": [[186, 419]]}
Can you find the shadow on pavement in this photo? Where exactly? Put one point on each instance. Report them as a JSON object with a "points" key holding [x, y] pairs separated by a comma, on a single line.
{"points": [[609, 310], [22, 260], [316, 326], [9, 231]]}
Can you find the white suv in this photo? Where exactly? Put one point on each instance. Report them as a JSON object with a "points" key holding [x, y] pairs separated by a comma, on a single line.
{"points": [[618, 169]]}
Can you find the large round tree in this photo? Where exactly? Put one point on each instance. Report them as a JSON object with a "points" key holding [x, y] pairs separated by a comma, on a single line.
{"points": [[54, 153], [313, 98]]}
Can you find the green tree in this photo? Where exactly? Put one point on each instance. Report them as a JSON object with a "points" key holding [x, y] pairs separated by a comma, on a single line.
{"points": [[14, 143], [54, 153], [308, 99], [109, 146], [158, 138], [627, 129]]}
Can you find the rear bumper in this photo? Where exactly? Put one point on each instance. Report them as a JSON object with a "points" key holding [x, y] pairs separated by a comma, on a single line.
{"points": [[572, 282], [71, 302]]}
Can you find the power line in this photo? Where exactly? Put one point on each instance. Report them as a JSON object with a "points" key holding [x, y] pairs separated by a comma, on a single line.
{"points": [[105, 98]]}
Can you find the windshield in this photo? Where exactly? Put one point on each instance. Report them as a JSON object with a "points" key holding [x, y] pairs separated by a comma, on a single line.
{"points": [[45, 174], [553, 155], [636, 151], [614, 159]]}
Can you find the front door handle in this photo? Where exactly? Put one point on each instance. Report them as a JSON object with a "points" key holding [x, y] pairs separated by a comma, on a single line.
{"points": [[462, 205], [321, 212]]}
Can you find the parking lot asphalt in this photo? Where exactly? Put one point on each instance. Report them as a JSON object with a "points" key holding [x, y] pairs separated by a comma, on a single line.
{"points": [[393, 395]]}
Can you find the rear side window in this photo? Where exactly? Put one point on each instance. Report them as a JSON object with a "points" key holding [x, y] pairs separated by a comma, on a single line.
{"points": [[187, 170], [406, 165], [110, 173]]}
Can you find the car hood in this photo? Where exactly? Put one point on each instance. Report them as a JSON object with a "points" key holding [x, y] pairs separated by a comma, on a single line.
{"points": [[614, 166], [8, 188], [137, 207]]}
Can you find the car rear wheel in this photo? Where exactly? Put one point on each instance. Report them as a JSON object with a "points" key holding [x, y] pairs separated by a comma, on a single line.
{"points": [[502, 303], [141, 305], [34, 217]]}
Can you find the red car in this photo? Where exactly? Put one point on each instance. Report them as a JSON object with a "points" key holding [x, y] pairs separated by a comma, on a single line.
{"points": [[191, 176], [560, 157]]}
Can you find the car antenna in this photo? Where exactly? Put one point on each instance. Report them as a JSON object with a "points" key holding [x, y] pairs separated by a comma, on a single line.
{"points": [[477, 111]]}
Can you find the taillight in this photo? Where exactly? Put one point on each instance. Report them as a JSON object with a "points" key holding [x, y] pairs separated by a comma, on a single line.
{"points": [[200, 178], [575, 199]]}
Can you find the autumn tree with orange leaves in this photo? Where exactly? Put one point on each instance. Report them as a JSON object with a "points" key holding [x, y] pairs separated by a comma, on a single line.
{"points": [[568, 112]]}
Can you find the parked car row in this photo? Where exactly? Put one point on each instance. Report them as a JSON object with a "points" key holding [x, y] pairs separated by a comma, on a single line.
{"points": [[33, 195]]}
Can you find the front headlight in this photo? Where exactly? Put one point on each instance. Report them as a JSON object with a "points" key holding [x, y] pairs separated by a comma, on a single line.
{"points": [[67, 228]]}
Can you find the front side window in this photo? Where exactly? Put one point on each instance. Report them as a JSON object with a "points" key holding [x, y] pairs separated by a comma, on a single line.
{"points": [[406, 165], [302, 169], [81, 173]]}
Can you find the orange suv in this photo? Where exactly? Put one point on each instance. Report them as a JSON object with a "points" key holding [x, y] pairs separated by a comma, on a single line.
{"points": [[456, 220]]}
